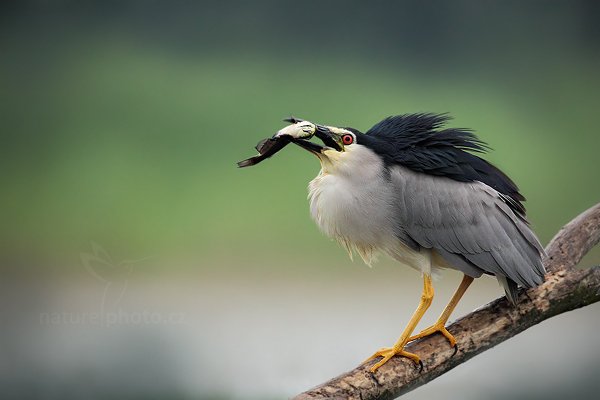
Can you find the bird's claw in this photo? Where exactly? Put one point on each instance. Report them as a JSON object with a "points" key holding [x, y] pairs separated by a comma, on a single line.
{"points": [[455, 350], [433, 329], [388, 352]]}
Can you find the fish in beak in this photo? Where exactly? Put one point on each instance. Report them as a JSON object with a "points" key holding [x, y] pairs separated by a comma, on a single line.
{"points": [[299, 133], [331, 140]]}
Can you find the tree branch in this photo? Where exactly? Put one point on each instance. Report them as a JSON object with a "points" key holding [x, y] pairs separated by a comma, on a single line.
{"points": [[565, 288]]}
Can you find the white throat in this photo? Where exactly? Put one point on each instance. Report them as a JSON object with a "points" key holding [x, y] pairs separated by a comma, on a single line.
{"points": [[347, 201]]}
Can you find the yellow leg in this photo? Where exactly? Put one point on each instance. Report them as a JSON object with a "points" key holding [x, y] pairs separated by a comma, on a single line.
{"points": [[440, 325], [398, 349]]}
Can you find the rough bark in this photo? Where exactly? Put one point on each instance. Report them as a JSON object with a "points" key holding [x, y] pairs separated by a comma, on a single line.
{"points": [[565, 288]]}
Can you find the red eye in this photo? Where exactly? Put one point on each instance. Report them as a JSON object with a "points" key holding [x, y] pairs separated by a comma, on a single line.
{"points": [[347, 139]]}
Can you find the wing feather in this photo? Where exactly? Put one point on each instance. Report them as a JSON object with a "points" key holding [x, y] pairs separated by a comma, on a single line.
{"points": [[469, 225]]}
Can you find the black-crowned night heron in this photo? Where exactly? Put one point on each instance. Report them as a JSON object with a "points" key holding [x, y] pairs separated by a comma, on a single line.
{"points": [[414, 190]]}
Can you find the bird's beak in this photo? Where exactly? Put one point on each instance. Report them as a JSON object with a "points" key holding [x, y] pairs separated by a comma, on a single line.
{"points": [[329, 137], [301, 131], [331, 141], [310, 146]]}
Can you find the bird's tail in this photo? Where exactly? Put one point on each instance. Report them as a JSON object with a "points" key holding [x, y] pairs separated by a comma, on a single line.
{"points": [[510, 288]]}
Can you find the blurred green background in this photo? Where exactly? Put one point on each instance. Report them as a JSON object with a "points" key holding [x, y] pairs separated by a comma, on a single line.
{"points": [[121, 123]]}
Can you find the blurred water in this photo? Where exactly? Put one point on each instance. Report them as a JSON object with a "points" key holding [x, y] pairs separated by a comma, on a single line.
{"points": [[257, 337]]}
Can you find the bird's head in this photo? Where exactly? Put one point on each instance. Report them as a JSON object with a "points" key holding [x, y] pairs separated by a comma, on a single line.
{"points": [[338, 143]]}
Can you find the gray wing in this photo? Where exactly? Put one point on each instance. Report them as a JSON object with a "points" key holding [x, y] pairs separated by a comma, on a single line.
{"points": [[469, 225]]}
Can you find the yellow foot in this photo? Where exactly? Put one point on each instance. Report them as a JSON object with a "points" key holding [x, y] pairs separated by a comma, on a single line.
{"points": [[388, 352], [433, 329]]}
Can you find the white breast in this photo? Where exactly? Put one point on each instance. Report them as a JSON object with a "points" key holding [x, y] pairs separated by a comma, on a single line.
{"points": [[351, 201]]}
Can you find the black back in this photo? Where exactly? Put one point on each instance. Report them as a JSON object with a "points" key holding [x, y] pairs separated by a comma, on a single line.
{"points": [[419, 142]]}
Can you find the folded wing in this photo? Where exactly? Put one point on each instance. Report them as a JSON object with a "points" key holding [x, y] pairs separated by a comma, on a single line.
{"points": [[470, 225]]}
